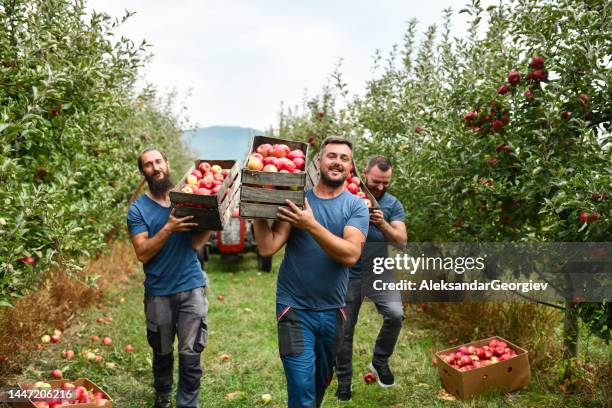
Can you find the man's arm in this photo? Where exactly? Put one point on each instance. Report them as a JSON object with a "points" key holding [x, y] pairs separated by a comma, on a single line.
{"points": [[146, 248], [199, 239], [270, 239], [345, 250], [394, 232]]}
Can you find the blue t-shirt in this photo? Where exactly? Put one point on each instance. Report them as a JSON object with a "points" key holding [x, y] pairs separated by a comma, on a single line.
{"points": [[175, 268], [393, 211], [308, 278]]}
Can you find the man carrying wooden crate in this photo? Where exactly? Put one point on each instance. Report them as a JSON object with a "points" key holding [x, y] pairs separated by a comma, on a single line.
{"points": [[323, 241], [386, 227], [175, 301]]}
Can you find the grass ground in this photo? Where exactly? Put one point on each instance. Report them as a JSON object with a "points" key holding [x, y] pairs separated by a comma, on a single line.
{"points": [[242, 325]]}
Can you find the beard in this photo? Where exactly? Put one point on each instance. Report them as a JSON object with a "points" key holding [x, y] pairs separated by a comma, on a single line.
{"points": [[329, 182], [159, 187]]}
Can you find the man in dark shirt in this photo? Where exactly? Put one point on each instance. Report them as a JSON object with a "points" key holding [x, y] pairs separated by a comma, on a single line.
{"points": [[175, 301], [323, 241], [386, 227]]}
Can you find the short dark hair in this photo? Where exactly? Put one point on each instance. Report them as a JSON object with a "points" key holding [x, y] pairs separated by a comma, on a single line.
{"points": [[147, 150], [382, 162], [335, 140]]}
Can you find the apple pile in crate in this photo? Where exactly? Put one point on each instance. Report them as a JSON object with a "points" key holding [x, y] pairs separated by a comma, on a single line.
{"points": [[353, 185], [80, 395], [468, 358], [205, 180], [277, 158]]}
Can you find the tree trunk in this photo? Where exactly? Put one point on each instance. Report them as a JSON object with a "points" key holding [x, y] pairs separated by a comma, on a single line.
{"points": [[571, 330]]}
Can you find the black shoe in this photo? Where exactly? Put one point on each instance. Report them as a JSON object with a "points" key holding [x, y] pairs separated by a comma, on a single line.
{"points": [[384, 376], [162, 401], [344, 392]]}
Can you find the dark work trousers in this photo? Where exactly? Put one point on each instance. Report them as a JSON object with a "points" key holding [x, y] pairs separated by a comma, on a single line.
{"points": [[183, 314], [308, 341], [389, 305]]}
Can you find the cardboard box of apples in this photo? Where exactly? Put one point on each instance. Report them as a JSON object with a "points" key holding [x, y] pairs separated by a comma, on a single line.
{"points": [[484, 365], [85, 394], [353, 184], [274, 172], [207, 192]]}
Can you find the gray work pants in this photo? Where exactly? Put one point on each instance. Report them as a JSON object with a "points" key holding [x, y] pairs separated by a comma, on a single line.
{"points": [[184, 315], [389, 305]]}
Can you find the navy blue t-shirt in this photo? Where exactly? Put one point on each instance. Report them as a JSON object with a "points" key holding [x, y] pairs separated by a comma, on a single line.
{"points": [[393, 211], [175, 268], [308, 278]]}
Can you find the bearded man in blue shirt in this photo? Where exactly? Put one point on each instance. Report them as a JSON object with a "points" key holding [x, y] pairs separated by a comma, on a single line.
{"points": [[322, 242], [175, 301]]}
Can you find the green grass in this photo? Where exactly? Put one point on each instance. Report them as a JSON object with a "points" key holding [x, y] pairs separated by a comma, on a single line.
{"points": [[243, 326]]}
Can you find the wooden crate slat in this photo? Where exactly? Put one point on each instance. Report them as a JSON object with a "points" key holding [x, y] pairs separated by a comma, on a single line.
{"points": [[264, 195], [274, 179], [251, 210]]}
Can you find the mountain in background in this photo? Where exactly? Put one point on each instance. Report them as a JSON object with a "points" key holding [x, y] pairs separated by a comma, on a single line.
{"points": [[219, 142]]}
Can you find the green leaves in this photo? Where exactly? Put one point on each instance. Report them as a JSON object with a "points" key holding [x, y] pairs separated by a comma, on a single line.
{"points": [[70, 122]]}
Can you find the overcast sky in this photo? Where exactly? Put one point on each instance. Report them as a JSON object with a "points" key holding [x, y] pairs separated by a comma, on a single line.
{"points": [[239, 59]]}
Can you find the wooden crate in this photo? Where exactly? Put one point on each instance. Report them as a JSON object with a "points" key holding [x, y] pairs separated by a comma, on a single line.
{"points": [[209, 212], [261, 193], [312, 178]]}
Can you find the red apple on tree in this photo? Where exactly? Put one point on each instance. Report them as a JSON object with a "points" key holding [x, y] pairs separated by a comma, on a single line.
{"points": [[514, 77]]}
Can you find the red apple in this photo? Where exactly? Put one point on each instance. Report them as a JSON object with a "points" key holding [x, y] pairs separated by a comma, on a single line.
{"points": [[270, 168], [566, 115], [255, 164], [68, 354], [128, 348], [218, 177], [197, 173], [106, 341], [469, 117], [95, 338], [465, 360], [55, 338], [204, 167], [352, 188], [537, 62], [593, 217], [502, 147], [502, 90], [28, 260], [296, 154], [540, 75], [220, 298], [514, 77], [285, 164], [280, 150], [299, 163], [528, 93], [418, 129], [205, 183], [265, 149], [56, 373], [270, 160], [369, 378], [497, 125]]}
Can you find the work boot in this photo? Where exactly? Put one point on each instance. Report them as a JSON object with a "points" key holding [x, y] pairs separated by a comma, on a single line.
{"points": [[162, 401], [344, 392], [384, 376]]}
